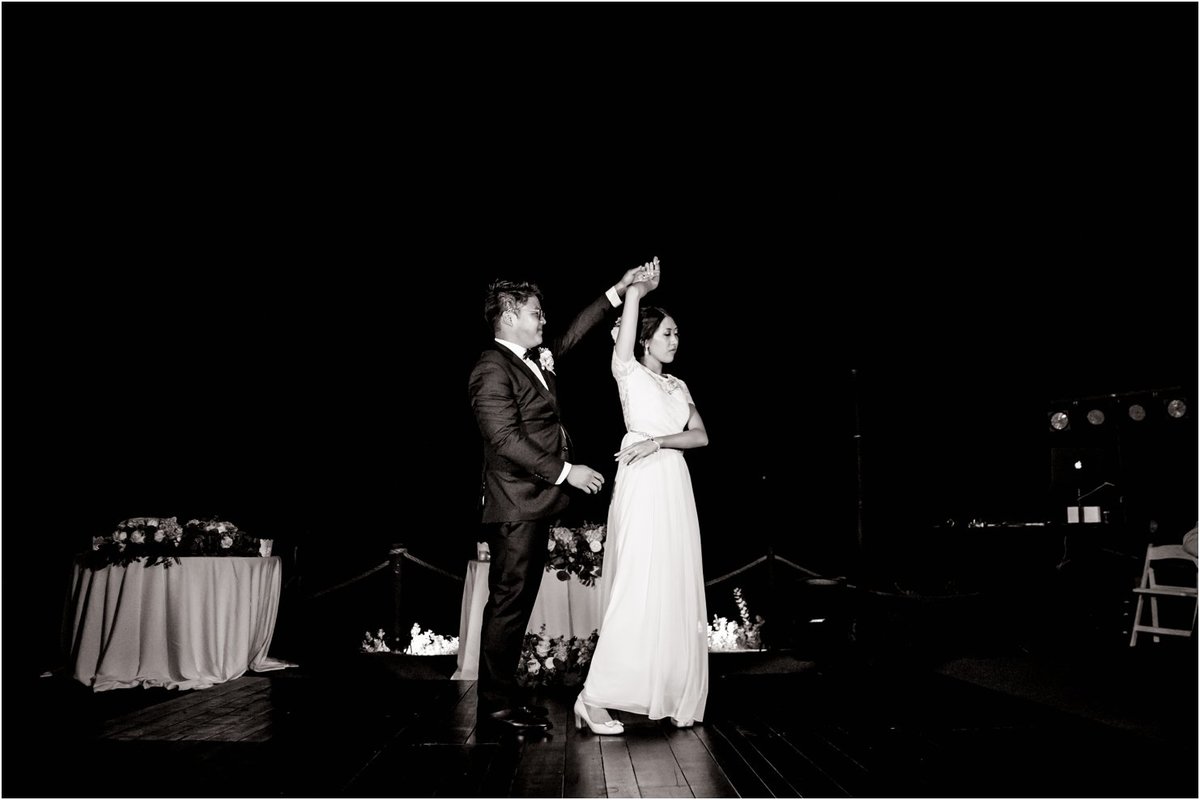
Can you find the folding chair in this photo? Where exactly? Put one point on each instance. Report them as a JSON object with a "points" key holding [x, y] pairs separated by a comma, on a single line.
{"points": [[1151, 587]]}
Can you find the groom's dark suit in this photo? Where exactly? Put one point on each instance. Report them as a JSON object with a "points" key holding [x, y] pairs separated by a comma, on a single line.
{"points": [[525, 448]]}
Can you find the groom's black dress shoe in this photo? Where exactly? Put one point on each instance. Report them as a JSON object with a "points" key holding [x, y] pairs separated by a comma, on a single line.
{"points": [[515, 719]]}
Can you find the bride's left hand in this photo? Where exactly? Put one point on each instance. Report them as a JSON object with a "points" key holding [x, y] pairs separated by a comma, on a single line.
{"points": [[636, 451]]}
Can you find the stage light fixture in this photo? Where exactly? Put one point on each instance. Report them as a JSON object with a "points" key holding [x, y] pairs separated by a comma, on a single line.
{"points": [[1059, 421], [1095, 416], [1177, 408], [1137, 412]]}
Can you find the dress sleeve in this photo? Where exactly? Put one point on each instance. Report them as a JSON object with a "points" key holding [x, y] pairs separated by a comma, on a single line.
{"points": [[622, 369], [686, 394]]}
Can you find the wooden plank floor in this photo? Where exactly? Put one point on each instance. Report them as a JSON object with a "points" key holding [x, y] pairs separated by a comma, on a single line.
{"points": [[854, 731]]}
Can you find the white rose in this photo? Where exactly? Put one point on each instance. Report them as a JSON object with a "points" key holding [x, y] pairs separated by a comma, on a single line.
{"points": [[549, 663], [120, 536], [137, 537], [226, 542], [595, 546], [159, 535]]}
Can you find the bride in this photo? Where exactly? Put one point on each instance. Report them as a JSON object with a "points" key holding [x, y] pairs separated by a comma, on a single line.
{"points": [[652, 656]]}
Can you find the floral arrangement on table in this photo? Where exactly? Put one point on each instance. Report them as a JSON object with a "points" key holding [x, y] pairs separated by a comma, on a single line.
{"points": [[154, 538], [162, 540], [576, 551], [726, 635], [213, 537], [558, 661]]}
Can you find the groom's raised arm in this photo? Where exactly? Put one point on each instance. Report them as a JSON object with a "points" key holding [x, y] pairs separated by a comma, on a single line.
{"points": [[586, 320]]}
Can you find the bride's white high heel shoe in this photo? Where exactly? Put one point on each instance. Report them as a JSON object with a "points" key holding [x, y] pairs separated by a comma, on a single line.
{"points": [[609, 728]]}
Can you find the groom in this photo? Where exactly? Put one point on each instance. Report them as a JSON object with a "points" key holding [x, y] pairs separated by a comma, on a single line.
{"points": [[526, 469]]}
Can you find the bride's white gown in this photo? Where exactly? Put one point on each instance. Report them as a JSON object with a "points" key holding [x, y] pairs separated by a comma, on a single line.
{"points": [[652, 657]]}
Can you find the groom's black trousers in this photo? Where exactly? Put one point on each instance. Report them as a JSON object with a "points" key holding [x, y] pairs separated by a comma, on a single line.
{"points": [[514, 578]]}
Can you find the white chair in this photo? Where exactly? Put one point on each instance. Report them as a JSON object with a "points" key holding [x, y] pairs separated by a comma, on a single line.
{"points": [[1151, 587]]}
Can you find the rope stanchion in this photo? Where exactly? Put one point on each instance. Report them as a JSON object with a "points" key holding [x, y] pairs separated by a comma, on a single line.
{"points": [[384, 565], [737, 571], [371, 571], [758, 561], [798, 567], [429, 566]]}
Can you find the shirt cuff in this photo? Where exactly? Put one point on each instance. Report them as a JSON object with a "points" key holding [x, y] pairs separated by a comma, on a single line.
{"points": [[612, 296], [563, 477]]}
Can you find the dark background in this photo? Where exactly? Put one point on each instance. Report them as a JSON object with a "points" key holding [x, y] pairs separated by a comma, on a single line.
{"points": [[247, 248]]}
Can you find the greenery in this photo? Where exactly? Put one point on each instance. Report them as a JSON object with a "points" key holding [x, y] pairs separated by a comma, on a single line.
{"points": [[576, 551], [726, 635], [560, 661], [162, 540]]}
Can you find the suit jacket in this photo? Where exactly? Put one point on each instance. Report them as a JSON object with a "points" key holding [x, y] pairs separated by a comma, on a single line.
{"points": [[524, 442]]}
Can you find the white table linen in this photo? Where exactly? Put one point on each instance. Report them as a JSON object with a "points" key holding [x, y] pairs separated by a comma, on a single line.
{"points": [[191, 625]]}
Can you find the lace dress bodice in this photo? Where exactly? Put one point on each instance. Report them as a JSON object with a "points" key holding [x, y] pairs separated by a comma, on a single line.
{"points": [[653, 404]]}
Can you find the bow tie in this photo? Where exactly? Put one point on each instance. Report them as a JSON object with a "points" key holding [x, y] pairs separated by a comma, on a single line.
{"points": [[534, 354]]}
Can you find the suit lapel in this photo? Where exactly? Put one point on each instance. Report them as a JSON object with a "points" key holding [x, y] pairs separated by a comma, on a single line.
{"points": [[527, 371]]}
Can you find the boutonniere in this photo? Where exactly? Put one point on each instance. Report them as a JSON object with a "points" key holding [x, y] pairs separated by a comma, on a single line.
{"points": [[545, 359]]}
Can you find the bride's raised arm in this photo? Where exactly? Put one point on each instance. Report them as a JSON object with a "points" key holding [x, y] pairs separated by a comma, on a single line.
{"points": [[627, 331]]}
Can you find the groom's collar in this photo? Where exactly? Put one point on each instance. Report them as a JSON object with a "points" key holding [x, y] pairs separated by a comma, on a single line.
{"points": [[516, 348]]}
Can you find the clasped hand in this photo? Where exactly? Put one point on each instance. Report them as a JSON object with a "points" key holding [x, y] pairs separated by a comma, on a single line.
{"points": [[646, 276], [636, 451]]}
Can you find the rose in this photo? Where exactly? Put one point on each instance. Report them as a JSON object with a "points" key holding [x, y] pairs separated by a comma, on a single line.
{"points": [[137, 537], [159, 535], [546, 360]]}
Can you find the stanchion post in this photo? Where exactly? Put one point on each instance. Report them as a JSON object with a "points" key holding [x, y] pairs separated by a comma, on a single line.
{"points": [[772, 594], [399, 627]]}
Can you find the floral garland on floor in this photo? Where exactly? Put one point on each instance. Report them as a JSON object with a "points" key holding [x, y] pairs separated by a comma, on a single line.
{"points": [[428, 643], [724, 635], [421, 643], [561, 661], [576, 551], [162, 540]]}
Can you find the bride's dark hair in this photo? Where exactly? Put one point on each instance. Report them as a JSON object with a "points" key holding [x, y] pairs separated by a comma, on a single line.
{"points": [[649, 318]]}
